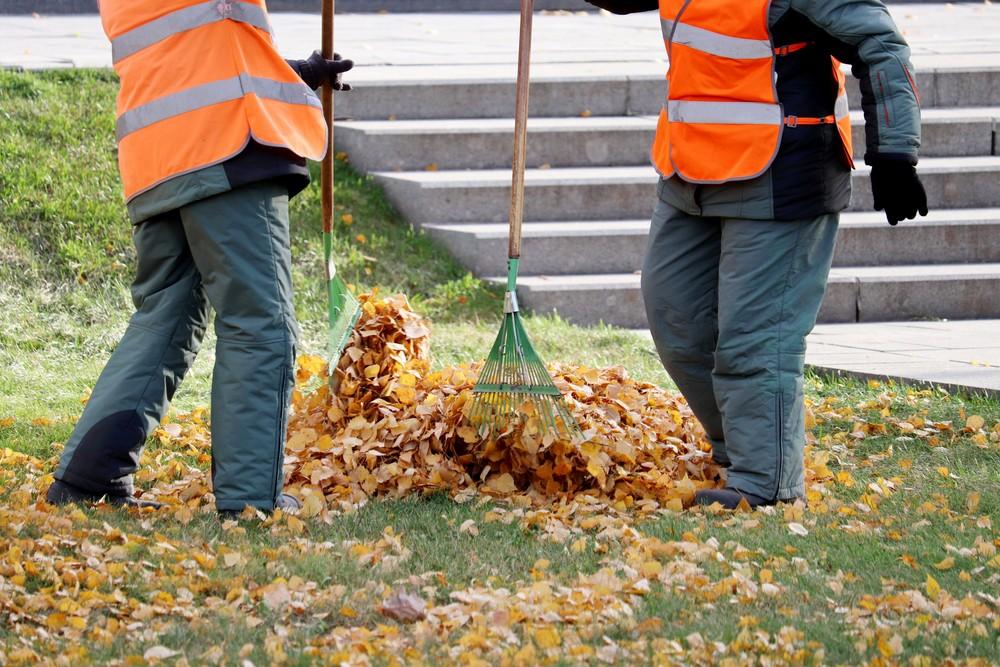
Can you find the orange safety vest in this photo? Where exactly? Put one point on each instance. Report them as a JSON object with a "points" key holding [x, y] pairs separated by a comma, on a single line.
{"points": [[723, 121], [198, 80]]}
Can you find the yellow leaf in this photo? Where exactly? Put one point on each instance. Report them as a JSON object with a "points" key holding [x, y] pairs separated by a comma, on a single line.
{"points": [[371, 372], [502, 484], [56, 621], [845, 478], [933, 588], [651, 569], [547, 637], [890, 647], [945, 564], [348, 612], [596, 471], [974, 423], [406, 395], [972, 501], [943, 471]]}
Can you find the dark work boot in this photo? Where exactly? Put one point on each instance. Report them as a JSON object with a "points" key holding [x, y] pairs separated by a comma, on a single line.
{"points": [[285, 503], [61, 493], [730, 498]]}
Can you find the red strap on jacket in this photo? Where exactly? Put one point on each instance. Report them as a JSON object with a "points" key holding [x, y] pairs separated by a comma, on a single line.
{"points": [[795, 121], [792, 48]]}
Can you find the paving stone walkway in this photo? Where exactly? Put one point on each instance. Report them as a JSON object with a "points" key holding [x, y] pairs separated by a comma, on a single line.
{"points": [[449, 47], [943, 35], [962, 355], [952, 354]]}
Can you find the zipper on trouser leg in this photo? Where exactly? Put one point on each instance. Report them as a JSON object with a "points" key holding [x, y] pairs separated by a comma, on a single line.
{"points": [[780, 408], [279, 453]]}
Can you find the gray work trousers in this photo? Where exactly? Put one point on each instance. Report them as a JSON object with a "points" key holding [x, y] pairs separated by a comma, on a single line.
{"points": [[229, 252], [730, 303]]}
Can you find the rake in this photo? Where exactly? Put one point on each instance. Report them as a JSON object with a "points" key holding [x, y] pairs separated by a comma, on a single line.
{"points": [[343, 309], [514, 384]]}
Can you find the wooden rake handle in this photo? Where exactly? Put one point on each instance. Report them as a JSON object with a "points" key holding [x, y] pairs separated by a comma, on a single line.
{"points": [[521, 129], [326, 179]]}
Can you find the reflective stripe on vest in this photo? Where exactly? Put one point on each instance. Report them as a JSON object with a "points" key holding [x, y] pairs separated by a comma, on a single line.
{"points": [[208, 94], [714, 43], [146, 35], [724, 113]]}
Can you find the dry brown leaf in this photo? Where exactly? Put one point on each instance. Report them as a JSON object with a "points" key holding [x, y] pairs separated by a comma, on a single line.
{"points": [[404, 607]]}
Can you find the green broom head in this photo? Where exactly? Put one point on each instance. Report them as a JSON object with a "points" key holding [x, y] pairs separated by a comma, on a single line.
{"points": [[514, 386], [343, 309]]}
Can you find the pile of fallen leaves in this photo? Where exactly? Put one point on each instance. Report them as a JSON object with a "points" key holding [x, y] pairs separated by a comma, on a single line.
{"points": [[392, 426]]}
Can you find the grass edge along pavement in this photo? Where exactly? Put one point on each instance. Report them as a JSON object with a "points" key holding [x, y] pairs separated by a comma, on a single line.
{"points": [[909, 491]]}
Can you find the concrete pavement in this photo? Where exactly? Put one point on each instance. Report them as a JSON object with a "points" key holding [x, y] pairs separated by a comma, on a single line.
{"points": [[402, 45], [956, 355]]}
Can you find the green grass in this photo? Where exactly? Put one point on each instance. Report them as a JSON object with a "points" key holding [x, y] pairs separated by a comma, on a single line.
{"points": [[66, 257], [66, 251]]}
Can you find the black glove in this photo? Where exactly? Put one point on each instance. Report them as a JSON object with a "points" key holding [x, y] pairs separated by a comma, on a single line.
{"points": [[318, 70], [897, 188], [626, 6]]}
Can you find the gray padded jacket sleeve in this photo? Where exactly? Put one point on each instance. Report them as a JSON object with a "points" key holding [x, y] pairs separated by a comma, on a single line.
{"points": [[863, 34]]}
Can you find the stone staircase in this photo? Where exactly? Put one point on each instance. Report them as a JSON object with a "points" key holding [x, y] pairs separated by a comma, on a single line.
{"points": [[441, 150]]}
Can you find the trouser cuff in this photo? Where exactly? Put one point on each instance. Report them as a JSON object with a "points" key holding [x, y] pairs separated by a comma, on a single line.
{"points": [[238, 504], [121, 487], [735, 480]]}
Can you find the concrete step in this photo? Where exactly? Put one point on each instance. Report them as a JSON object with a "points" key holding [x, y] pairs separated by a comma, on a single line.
{"points": [[855, 294], [595, 141], [622, 193], [626, 88], [566, 248]]}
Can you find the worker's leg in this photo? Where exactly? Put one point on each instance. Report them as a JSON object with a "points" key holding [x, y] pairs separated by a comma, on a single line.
{"points": [[680, 288], [134, 390], [772, 279], [240, 244]]}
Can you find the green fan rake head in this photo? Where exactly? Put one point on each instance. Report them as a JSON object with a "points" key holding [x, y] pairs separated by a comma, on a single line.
{"points": [[514, 385], [343, 308]]}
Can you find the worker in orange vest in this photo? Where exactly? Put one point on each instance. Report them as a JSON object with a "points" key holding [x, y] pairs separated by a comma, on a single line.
{"points": [[214, 129], [755, 154]]}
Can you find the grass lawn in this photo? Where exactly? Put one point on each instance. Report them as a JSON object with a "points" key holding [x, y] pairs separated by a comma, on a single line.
{"points": [[894, 561]]}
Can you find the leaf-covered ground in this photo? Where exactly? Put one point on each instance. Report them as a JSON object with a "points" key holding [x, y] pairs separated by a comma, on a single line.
{"points": [[894, 561]]}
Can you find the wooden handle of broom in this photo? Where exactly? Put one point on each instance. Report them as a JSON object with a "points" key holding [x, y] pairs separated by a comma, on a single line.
{"points": [[521, 129], [326, 178]]}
